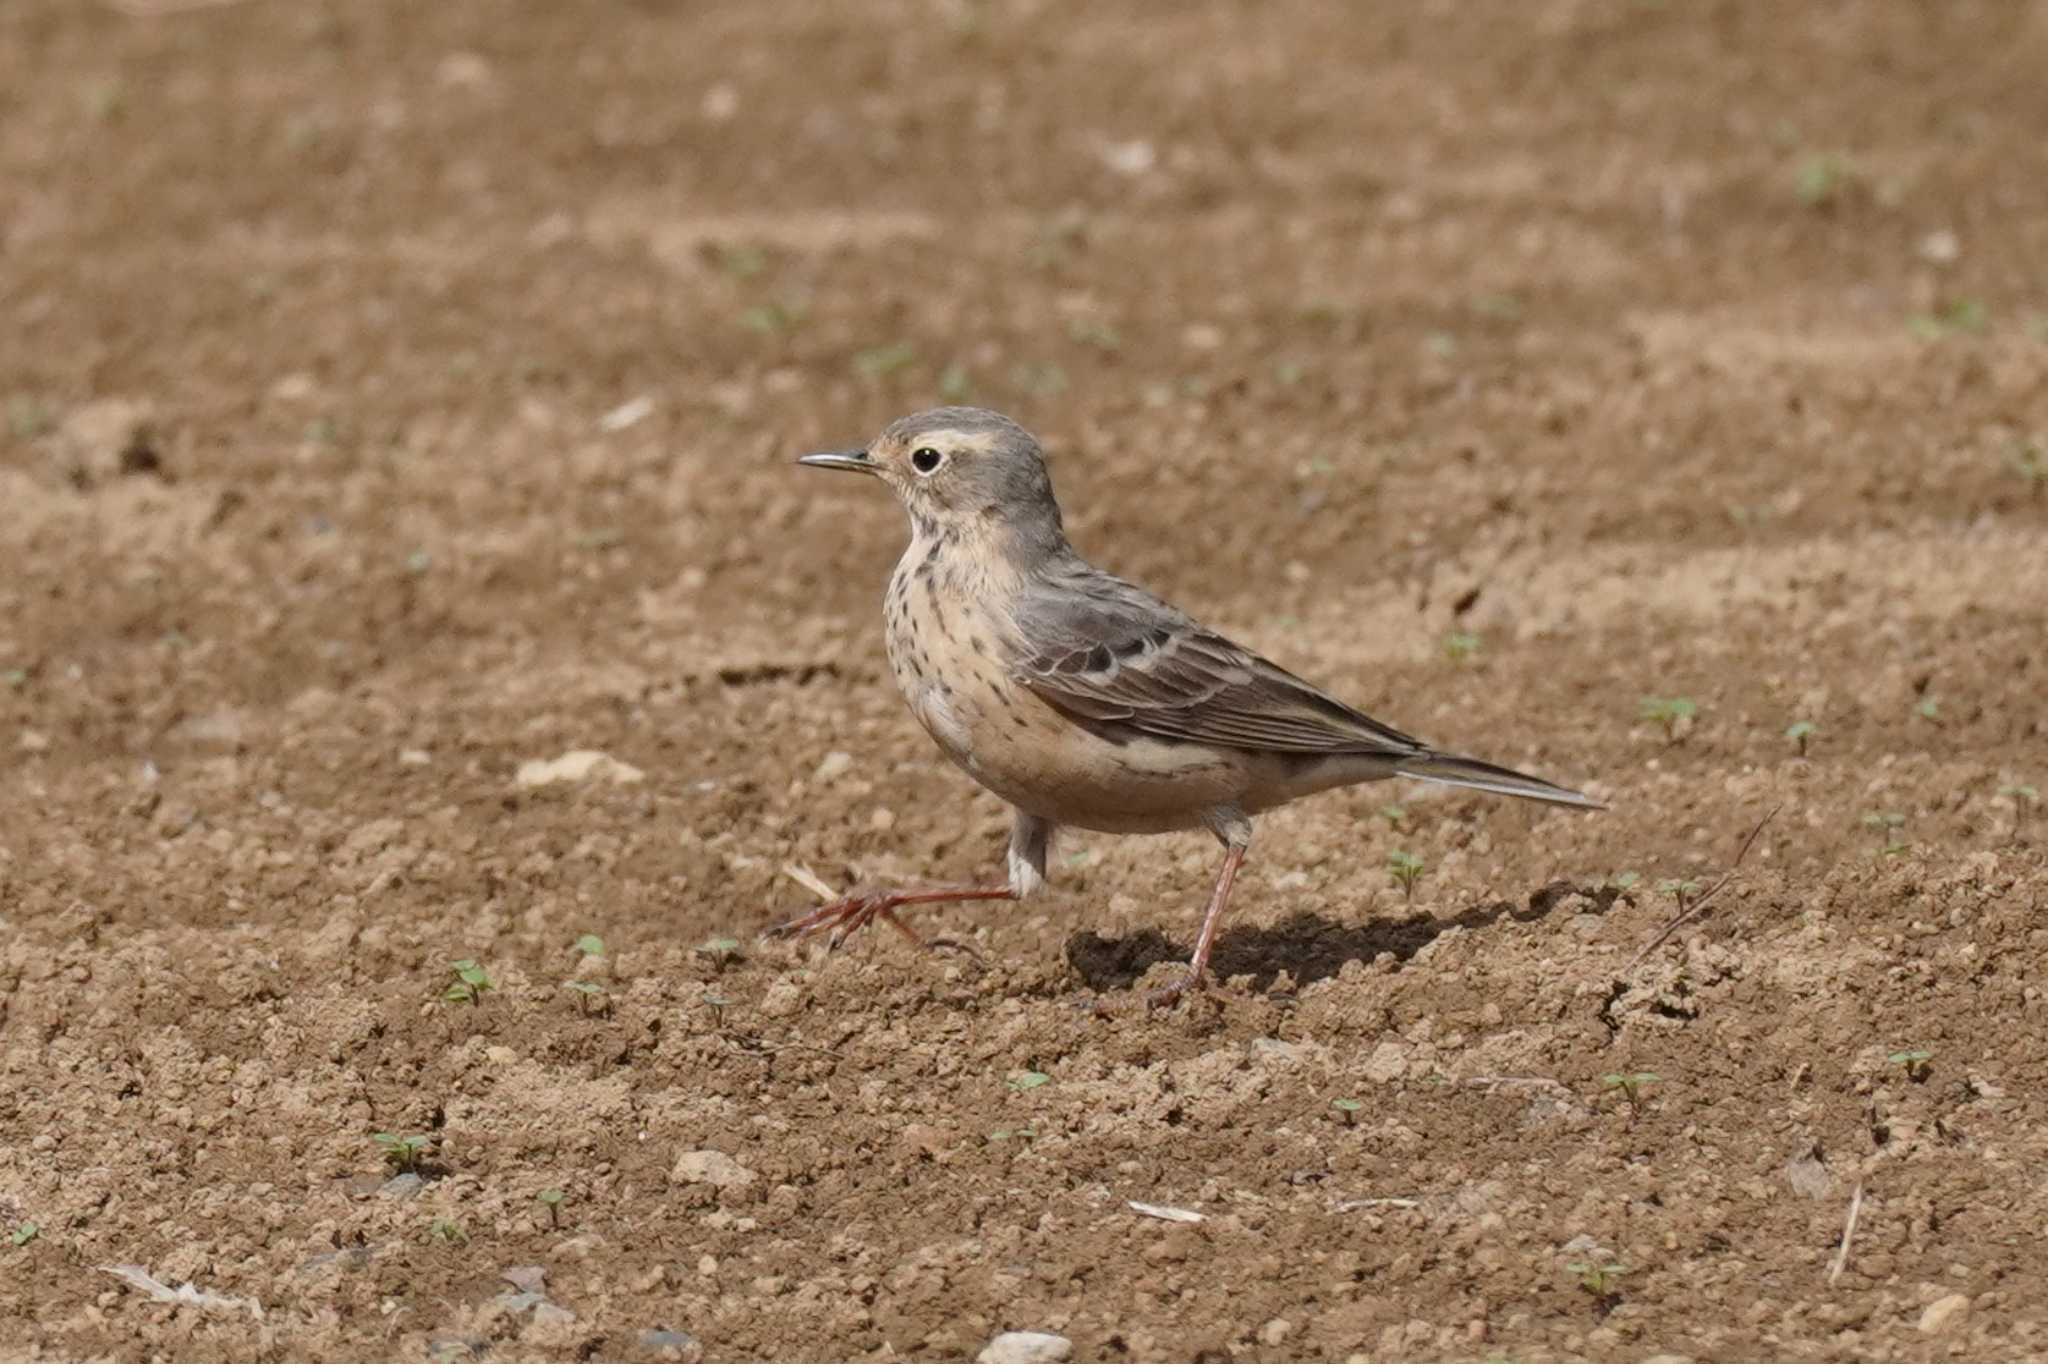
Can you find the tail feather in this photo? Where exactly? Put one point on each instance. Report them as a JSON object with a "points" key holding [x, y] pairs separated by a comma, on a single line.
{"points": [[1452, 770]]}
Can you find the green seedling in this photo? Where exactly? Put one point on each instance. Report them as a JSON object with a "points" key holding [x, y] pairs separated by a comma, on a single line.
{"points": [[551, 1199], [879, 362], [1959, 316], [2030, 463], [1100, 335], [23, 1234], [1624, 880], [1349, 1108], [1929, 709], [1681, 891], [402, 1153], [1406, 869], [449, 1230], [717, 1004], [1818, 179], [1028, 1079], [774, 319], [1888, 823], [590, 945], [1914, 1063], [1799, 731], [587, 991], [2023, 798], [1630, 1084], [470, 985], [1603, 1281], [1672, 712], [722, 951], [1460, 647], [1394, 813]]}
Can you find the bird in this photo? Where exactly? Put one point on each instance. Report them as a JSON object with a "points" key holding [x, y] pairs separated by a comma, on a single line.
{"points": [[1082, 700]]}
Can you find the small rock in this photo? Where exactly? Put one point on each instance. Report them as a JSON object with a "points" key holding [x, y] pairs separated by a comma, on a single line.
{"points": [[1389, 1060], [414, 757], [401, 1187], [836, 764], [582, 764], [1943, 1313], [1808, 1177], [1275, 1332], [782, 999], [671, 1344], [715, 1168], [1025, 1347], [527, 1278]]}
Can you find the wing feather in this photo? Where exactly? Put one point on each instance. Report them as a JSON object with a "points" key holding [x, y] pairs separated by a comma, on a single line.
{"points": [[1112, 655]]}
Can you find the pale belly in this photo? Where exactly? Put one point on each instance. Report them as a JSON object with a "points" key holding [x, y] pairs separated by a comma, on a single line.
{"points": [[1038, 760]]}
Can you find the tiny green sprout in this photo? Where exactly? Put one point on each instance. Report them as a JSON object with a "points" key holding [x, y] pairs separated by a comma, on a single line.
{"points": [[1928, 709], [1349, 1108], [1818, 178], [955, 384], [717, 1004], [1601, 1280], [1406, 869], [1394, 812], [1100, 335], [1630, 1084], [449, 1230], [1888, 823], [722, 951], [1672, 712], [590, 945], [1461, 647], [1960, 315], [1028, 1079], [742, 262], [400, 1152], [587, 991], [1799, 731], [470, 983], [773, 319], [23, 1234], [551, 1199], [1681, 891], [1915, 1063], [1624, 880], [879, 362]]}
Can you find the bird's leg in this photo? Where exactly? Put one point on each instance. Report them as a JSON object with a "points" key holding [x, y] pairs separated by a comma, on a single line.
{"points": [[1236, 838], [1030, 838], [846, 917]]}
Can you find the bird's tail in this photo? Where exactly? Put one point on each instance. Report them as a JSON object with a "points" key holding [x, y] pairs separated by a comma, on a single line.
{"points": [[1452, 770]]}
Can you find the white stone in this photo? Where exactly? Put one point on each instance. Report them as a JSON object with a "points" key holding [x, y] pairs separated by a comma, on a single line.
{"points": [[1025, 1347], [715, 1168], [581, 764], [1943, 1313]]}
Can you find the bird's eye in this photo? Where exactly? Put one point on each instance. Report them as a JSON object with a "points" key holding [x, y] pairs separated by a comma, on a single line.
{"points": [[926, 460]]}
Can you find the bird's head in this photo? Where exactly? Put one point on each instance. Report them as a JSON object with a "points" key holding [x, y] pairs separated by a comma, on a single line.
{"points": [[965, 470]]}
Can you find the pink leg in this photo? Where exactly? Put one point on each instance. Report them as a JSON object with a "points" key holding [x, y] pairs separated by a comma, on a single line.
{"points": [[843, 918], [1205, 942]]}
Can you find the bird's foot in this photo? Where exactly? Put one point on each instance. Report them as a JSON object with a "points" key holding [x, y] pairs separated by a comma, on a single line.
{"points": [[1164, 997], [841, 919]]}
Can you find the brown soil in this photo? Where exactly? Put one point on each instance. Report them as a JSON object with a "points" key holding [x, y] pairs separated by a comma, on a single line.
{"points": [[1682, 350]]}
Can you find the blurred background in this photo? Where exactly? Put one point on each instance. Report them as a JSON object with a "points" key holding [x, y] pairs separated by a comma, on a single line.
{"points": [[1653, 394]]}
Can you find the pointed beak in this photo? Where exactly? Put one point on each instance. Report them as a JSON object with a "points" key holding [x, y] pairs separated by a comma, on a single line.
{"points": [[857, 460]]}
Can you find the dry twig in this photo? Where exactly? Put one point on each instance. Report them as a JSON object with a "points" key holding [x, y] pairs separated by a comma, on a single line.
{"points": [[1848, 1234], [1692, 911]]}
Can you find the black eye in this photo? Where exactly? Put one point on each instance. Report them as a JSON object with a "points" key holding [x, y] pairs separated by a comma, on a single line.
{"points": [[925, 459]]}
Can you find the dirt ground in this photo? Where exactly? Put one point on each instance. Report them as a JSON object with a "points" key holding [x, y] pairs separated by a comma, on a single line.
{"points": [[399, 394]]}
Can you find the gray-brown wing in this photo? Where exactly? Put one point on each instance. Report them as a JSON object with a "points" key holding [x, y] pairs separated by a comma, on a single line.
{"points": [[1113, 657]]}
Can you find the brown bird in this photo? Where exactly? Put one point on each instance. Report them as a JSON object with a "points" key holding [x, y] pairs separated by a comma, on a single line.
{"points": [[1081, 699]]}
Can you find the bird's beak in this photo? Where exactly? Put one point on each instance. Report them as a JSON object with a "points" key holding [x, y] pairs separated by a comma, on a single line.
{"points": [[857, 460]]}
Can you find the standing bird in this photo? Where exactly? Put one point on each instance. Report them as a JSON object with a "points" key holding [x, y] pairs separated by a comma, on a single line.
{"points": [[1081, 699]]}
